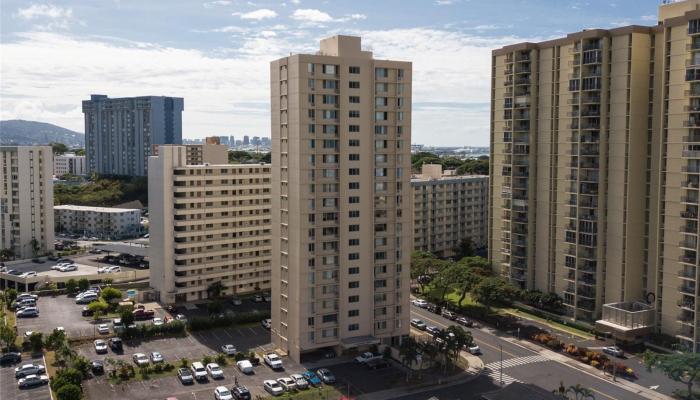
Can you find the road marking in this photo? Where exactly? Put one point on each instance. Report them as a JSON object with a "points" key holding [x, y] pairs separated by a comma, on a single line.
{"points": [[252, 330], [496, 375], [240, 332], [514, 362], [216, 336], [228, 333]]}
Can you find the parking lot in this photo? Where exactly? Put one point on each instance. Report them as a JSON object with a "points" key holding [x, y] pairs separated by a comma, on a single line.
{"points": [[86, 264], [10, 390], [62, 311]]}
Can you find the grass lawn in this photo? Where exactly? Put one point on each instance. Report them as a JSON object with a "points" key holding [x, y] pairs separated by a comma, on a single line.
{"points": [[322, 393], [554, 325]]}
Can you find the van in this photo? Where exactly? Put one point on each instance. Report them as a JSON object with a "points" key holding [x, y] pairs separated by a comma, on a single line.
{"points": [[199, 372], [88, 298]]}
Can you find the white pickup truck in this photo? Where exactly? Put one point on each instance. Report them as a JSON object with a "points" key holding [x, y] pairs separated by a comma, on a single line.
{"points": [[364, 357]]}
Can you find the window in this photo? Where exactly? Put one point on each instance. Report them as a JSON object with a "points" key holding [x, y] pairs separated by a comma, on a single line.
{"points": [[311, 321], [381, 130], [354, 228], [380, 158], [354, 171], [354, 213], [330, 99], [354, 143], [354, 84], [354, 114], [312, 84], [353, 299], [312, 128], [330, 128], [354, 70], [381, 101], [330, 84], [354, 128], [381, 72], [353, 313], [354, 327], [353, 185], [381, 116], [311, 68], [354, 99], [381, 87], [354, 199], [354, 157], [330, 318], [354, 242], [380, 144], [379, 172], [353, 284], [353, 256], [329, 69], [399, 102], [353, 270], [329, 114]]}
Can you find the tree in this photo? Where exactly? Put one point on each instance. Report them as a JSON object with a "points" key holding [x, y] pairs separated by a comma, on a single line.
{"points": [[10, 295], [83, 284], [7, 335], [127, 317], [55, 339], [59, 148], [445, 278], [421, 262], [409, 353], [98, 306], [109, 294], [82, 365], [214, 290], [681, 367], [36, 342], [460, 339], [69, 392], [465, 248], [6, 254], [580, 392], [551, 301], [35, 247], [80, 152], [71, 286], [494, 290], [215, 307]]}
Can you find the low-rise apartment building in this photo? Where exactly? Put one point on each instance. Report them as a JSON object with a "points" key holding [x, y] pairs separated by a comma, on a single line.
{"points": [[26, 200], [211, 151], [101, 222], [448, 208], [69, 164], [209, 224]]}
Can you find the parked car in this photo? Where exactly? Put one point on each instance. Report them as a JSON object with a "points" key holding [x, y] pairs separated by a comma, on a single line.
{"points": [[258, 298], [199, 372], [245, 366], [266, 323], [32, 381], [100, 346], [86, 299], [312, 378], [449, 315], [222, 393], [141, 314], [267, 297], [215, 371], [433, 330], [236, 301], [228, 349], [97, 367], [326, 376], [29, 369], [140, 359], [116, 344], [366, 357], [103, 329], [613, 351], [240, 392], [12, 357], [158, 321], [27, 313], [156, 357], [419, 303], [377, 363], [52, 258], [273, 387], [181, 317], [418, 324], [68, 268], [288, 384], [23, 296], [273, 361], [38, 261], [300, 381], [474, 349], [185, 376], [464, 321], [28, 274]]}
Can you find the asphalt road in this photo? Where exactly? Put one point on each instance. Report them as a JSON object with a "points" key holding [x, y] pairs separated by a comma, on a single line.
{"points": [[525, 365]]}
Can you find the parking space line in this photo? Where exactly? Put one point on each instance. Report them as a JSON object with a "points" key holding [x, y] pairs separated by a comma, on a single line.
{"points": [[240, 332], [228, 333], [215, 335], [252, 330]]}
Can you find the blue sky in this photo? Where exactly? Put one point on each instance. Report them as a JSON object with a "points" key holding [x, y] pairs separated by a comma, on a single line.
{"points": [[215, 53]]}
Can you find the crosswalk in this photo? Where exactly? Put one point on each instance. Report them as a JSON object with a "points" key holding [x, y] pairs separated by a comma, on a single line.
{"points": [[493, 370]]}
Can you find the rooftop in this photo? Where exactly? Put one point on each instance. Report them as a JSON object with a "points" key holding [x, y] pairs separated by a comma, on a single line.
{"points": [[95, 209]]}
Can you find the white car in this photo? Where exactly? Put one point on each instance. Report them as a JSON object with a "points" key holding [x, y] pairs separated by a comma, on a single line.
{"points": [[300, 381], [366, 357], [23, 296], [222, 393], [267, 323], [236, 301], [156, 357], [59, 329], [613, 351], [245, 366], [273, 361], [67, 268], [100, 346], [228, 349], [199, 372], [267, 297], [103, 329], [32, 381], [29, 369], [418, 324], [157, 321], [474, 349], [28, 274], [140, 359], [288, 384], [420, 303], [215, 371], [273, 387]]}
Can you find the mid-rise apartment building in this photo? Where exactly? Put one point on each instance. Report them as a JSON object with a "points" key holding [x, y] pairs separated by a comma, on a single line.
{"points": [[69, 164], [341, 198], [595, 170], [209, 223], [211, 150], [119, 132], [100, 222], [448, 208], [26, 200]]}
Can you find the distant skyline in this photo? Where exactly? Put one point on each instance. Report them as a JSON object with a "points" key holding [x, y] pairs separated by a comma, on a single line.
{"points": [[216, 54]]}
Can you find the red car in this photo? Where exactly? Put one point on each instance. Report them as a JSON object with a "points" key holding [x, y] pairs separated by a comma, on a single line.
{"points": [[140, 313]]}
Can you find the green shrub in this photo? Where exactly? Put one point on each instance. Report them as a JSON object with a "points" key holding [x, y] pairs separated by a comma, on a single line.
{"points": [[168, 366], [206, 359], [158, 368], [221, 359], [69, 392], [240, 356], [184, 363]]}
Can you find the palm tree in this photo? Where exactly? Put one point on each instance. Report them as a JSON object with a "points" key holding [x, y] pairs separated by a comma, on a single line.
{"points": [[409, 354], [430, 350], [458, 339], [580, 392]]}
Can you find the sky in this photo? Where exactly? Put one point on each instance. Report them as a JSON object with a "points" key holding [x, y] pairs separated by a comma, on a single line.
{"points": [[216, 53]]}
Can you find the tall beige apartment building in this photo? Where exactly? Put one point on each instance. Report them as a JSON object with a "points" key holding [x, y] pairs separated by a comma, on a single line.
{"points": [[448, 208], [211, 151], [26, 200], [208, 223], [341, 198], [595, 172]]}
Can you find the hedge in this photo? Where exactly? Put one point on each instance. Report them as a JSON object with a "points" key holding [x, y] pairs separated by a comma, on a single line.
{"points": [[202, 323]]}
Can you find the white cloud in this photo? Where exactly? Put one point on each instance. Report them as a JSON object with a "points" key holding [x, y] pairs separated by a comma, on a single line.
{"points": [[36, 11], [295, 1], [358, 16], [444, 2], [311, 15], [210, 4], [268, 34], [648, 17], [258, 15]]}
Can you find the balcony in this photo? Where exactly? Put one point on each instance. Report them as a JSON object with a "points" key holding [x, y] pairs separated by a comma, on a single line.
{"points": [[686, 274], [686, 332], [688, 259], [687, 289], [686, 303], [627, 321]]}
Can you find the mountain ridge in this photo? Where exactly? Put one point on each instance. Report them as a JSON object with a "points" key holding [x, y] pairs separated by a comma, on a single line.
{"points": [[24, 132]]}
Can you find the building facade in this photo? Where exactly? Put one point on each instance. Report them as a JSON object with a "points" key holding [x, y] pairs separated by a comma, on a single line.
{"points": [[211, 150], [26, 200], [119, 132], [595, 157], [100, 222], [448, 208], [69, 163], [208, 223], [341, 198]]}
